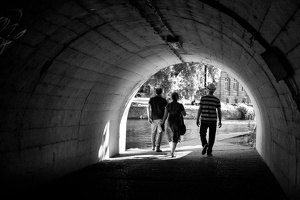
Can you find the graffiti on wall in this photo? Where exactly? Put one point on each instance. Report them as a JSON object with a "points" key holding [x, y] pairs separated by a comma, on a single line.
{"points": [[9, 30]]}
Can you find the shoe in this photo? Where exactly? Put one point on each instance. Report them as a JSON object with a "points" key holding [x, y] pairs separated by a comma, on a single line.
{"points": [[209, 154], [158, 150], [153, 148], [204, 149]]}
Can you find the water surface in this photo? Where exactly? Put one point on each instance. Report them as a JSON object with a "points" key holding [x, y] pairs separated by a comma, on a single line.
{"points": [[139, 131]]}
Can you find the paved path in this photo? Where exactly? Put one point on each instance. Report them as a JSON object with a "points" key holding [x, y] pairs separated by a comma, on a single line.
{"points": [[233, 172]]}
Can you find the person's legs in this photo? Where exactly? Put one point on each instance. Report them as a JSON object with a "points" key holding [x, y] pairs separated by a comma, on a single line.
{"points": [[171, 147], [153, 134], [159, 135], [212, 136], [203, 129], [174, 144]]}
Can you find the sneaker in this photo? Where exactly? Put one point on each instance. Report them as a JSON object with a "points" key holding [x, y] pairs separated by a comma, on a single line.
{"points": [[153, 148], [204, 149]]}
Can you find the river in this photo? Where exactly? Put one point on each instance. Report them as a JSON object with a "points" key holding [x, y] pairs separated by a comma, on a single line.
{"points": [[139, 131]]}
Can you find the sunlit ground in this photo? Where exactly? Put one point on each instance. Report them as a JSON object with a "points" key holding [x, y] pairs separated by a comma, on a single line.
{"points": [[136, 153]]}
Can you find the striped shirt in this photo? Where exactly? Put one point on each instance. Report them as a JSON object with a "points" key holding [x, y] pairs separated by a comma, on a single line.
{"points": [[209, 105]]}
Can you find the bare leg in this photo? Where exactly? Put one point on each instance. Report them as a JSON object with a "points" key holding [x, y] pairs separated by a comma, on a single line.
{"points": [[172, 147]]}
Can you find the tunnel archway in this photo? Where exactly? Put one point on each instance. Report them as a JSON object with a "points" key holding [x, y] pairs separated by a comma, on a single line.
{"points": [[69, 68]]}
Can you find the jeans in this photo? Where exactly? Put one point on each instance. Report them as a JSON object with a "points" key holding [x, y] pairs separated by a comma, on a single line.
{"points": [[156, 132], [212, 134]]}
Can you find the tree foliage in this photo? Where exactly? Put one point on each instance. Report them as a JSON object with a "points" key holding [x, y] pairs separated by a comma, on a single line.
{"points": [[185, 78]]}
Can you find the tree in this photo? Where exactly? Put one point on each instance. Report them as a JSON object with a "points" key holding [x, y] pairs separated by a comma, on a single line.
{"points": [[184, 78]]}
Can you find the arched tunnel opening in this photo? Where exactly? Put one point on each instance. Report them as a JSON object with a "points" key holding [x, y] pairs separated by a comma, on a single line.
{"points": [[190, 80], [70, 68]]}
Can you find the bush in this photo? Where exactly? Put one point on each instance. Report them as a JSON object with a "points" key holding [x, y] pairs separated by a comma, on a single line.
{"points": [[247, 112]]}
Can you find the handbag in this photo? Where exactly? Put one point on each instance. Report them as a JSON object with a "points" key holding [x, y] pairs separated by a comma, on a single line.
{"points": [[182, 126]]}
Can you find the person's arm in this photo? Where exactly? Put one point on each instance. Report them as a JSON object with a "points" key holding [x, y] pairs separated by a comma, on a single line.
{"points": [[183, 111], [165, 116], [198, 115], [220, 117], [149, 113]]}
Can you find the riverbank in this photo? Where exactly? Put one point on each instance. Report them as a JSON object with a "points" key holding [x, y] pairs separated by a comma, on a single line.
{"points": [[228, 113], [240, 132]]}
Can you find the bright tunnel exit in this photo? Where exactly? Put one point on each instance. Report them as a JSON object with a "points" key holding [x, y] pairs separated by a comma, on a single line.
{"points": [[238, 110]]}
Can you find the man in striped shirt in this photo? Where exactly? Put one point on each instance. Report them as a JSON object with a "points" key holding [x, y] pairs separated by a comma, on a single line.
{"points": [[209, 111]]}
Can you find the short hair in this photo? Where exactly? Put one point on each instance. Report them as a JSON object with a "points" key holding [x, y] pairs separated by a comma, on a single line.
{"points": [[175, 96], [158, 90]]}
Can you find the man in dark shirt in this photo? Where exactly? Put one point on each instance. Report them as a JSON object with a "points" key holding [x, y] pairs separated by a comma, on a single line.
{"points": [[209, 110], [156, 108]]}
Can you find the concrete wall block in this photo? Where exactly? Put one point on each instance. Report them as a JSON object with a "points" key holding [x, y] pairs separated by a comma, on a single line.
{"points": [[281, 87], [77, 26], [48, 89], [277, 16], [47, 136], [292, 145], [31, 159], [50, 48], [77, 72], [297, 74], [259, 78], [94, 65], [99, 88], [283, 100], [295, 128], [288, 113], [39, 37], [58, 67], [293, 57], [94, 35], [71, 9], [66, 118], [83, 45], [68, 55], [92, 98], [84, 147], [92, 106], [286, 39], [9, 141], [50, 118], [52, 79], [272, 102], [55, 102], [10, 119], [95, 146], [77, 82], [75, 103], [297, 188], [63, 151], [17, 100], [85, 131], [63, 35], [58, 170], [277, 118], [282, 161], [280, 138], [91, 117], [48, 156], [10, 165], [267, 90]]}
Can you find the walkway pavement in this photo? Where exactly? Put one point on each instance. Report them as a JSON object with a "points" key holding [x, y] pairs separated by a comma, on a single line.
{"points": [[233, 172]]}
